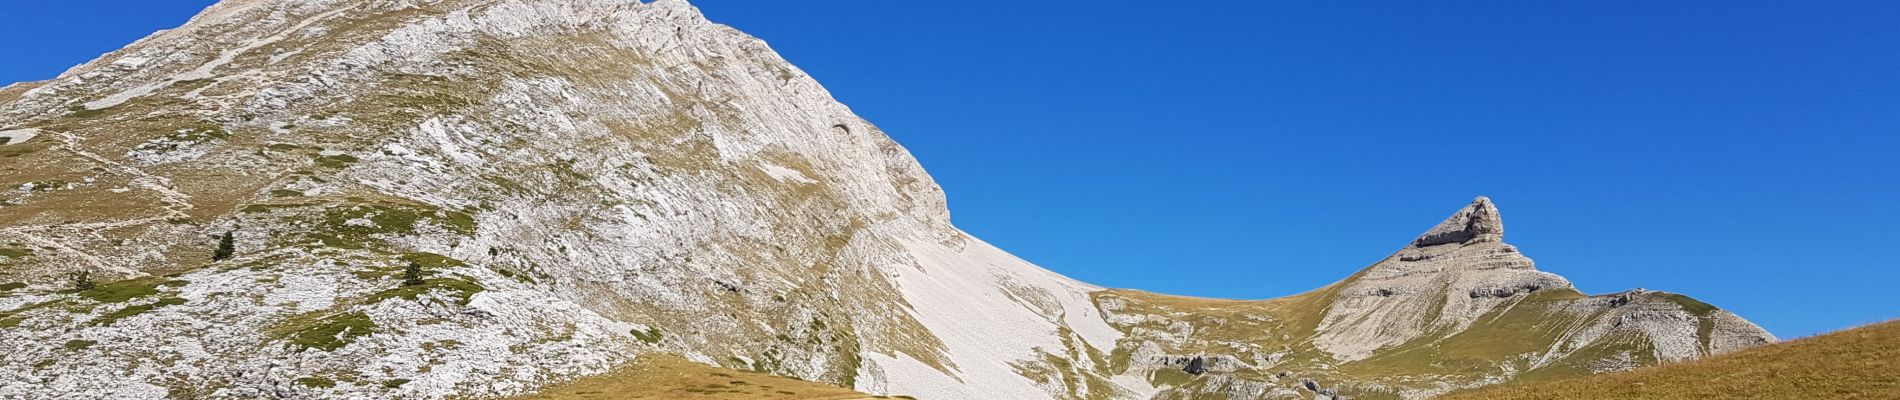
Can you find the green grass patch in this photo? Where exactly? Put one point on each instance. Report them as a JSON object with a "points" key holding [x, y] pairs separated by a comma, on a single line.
{"points": [[339, 161], [15, 252], [651, 336], [80, 111], [461, 289], [460, 221], [11, 286], [334, 332], [511, 274], [203, 131], [1171, 377], [316, 382], [432, 260], [129, 311], [344, 226], [1693, 306], [77, 345], [286, 193], [395, 383], [119, 292]]}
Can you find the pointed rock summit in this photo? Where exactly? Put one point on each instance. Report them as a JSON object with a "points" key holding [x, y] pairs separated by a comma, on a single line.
{"points": [[1477, 222]]}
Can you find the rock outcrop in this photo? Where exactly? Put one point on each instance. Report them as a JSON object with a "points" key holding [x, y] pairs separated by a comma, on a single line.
{"points": [[1477, 222]]}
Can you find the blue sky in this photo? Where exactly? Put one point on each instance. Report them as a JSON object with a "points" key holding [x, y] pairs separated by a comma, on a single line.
{"points": [[1747, 154]]}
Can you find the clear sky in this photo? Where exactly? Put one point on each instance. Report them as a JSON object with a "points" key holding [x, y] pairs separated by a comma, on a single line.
{"points": [[1745, 153]]}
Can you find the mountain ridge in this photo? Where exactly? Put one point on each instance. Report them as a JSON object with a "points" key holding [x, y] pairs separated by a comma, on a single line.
{"points": [[581, 184]]}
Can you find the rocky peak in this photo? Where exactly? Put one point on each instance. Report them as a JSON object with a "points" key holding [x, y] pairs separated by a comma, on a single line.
{"points": [[1478, 222], [1429, 287]]}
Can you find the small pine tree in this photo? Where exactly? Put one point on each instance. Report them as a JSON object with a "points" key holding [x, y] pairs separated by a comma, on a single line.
{"points": [[82, 281], [412, 274], [227, 247]]}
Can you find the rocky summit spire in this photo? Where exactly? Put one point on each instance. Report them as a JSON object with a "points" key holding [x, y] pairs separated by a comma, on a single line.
{"points": [[1478, 222]]}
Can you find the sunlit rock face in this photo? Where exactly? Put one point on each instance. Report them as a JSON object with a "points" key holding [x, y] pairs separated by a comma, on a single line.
{"points": [[477, 198]]}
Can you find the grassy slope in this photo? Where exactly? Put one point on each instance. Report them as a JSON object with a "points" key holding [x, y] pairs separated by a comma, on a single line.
{"points": [[666, 377], [1861, 363]]}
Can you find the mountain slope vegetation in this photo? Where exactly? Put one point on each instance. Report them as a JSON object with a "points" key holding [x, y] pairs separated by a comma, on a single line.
{"points": [[1859, 363]]}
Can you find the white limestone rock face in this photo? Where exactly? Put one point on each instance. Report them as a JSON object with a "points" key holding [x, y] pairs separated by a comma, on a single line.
{"points": [[581, 183]]}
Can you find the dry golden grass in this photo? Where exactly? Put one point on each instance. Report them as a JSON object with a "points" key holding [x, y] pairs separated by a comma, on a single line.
{"points": [[12, 92], [667, 377], [1860, 363]]}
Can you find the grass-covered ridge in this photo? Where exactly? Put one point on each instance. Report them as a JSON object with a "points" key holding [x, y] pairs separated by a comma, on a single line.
{"points": [[1860, 363]]}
